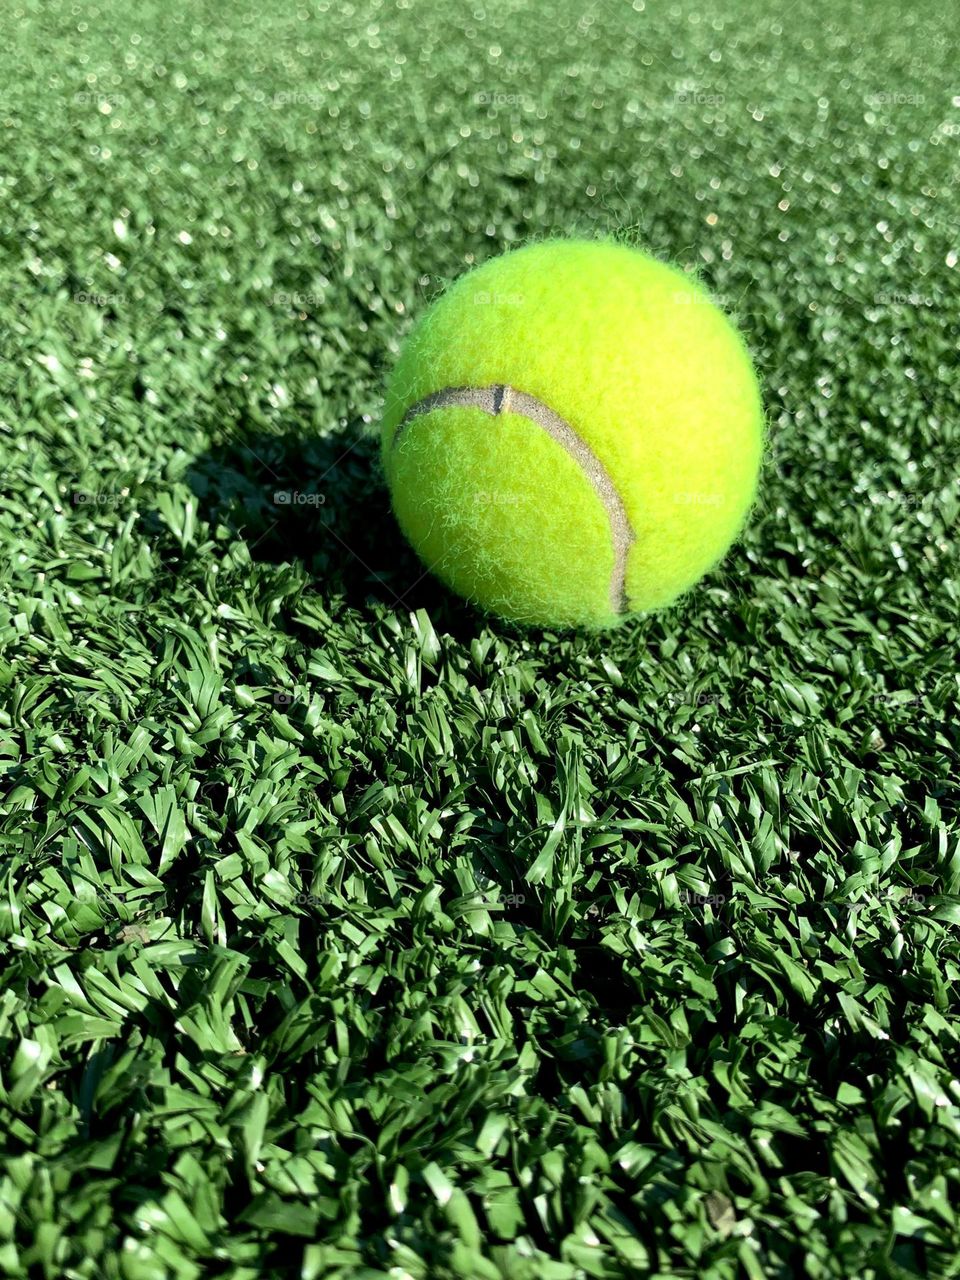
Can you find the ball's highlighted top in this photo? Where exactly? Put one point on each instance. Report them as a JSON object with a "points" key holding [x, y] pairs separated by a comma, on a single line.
{"points": [[573, 431]]}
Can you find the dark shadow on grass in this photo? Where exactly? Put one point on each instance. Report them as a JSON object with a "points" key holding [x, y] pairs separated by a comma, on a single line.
{"points": [[322, 501]]}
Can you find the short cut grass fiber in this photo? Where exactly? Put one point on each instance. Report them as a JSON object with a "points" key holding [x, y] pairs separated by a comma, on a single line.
{"points": [[346, 932]]}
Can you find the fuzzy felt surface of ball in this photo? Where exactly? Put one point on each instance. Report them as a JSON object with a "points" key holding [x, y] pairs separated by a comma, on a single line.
{"points": [[573, 432]]}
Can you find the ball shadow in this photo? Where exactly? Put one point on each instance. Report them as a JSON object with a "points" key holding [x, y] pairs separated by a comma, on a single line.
{"points": [[321, 500]]}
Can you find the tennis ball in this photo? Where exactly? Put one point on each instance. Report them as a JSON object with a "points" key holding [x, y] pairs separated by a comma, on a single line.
{"points": [[572, 433]]}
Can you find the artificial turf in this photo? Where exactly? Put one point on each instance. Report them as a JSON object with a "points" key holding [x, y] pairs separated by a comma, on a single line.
{"points": [[349, 933]]}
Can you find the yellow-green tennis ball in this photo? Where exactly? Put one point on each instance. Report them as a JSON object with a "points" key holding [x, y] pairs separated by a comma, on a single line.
{"points": [[573, 432]]}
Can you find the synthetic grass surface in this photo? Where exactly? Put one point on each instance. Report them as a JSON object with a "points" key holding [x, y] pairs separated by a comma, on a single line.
{"points": [[347, 933]]}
